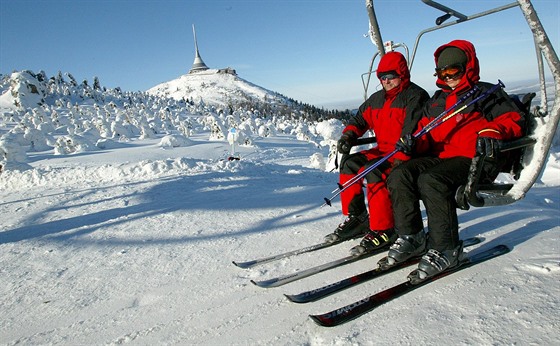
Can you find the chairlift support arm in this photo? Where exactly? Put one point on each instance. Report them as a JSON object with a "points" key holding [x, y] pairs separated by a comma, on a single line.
{"points": [[461, 19], [448, 12], [374, 31]]}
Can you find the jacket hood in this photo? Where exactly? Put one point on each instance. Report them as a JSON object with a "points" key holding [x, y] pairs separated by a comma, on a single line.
{"points": [[472, 70], [395, 61]]}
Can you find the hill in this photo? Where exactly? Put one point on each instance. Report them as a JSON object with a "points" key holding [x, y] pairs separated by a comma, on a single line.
{"points": [[218, 87]]}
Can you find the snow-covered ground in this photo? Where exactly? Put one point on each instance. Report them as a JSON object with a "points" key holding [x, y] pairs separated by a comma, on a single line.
{"points": [[134, 245], [121, 216]]}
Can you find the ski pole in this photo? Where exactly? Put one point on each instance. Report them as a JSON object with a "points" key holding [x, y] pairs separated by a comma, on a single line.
{"points": [[430, 124], [440, 119]]}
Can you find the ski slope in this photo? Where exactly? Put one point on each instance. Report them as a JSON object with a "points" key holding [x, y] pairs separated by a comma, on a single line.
{"points": [[134, 245]]}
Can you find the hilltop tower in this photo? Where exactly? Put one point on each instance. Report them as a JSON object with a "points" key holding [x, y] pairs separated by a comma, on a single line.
{"points": [[198, 64]]}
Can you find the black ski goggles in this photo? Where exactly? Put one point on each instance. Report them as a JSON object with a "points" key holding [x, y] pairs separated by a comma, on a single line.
{"points": [[388, 76], [450, 72]]}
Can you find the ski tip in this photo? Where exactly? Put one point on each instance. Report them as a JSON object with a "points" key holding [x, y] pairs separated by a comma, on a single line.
{"points": [[243, 264], [290, 298], [321, 321], [264, 284]]}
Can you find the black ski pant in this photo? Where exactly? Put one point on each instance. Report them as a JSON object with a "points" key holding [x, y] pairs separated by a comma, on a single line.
{"points": [[434, 181]]}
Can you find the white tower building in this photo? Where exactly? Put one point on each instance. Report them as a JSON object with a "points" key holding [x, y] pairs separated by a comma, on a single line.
{"points": [[198, 64]]}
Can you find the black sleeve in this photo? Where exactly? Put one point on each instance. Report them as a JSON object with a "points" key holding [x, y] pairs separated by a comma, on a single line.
{"points": [[416, 100]]}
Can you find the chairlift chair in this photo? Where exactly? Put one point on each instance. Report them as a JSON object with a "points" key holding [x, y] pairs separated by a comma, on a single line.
{"points": [[527, 151]]}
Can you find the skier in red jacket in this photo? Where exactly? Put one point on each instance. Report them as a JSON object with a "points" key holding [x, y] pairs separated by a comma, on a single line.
{"points": [[450, 148], [389, 113]]}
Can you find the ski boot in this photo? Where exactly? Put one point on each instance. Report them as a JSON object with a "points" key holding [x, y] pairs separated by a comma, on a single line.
{"points": [[435, 262], [404, 248], [353, 227], [374, 240]]}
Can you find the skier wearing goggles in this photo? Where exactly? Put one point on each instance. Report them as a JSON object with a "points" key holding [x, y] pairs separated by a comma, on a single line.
{"points": [[447, 154], [390, 113]]}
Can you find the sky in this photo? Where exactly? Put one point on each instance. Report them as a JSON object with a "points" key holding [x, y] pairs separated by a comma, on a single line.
{"points": [[310, 50]]}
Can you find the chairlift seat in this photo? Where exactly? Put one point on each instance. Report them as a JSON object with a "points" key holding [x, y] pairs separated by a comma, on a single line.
{"points": [[480, 194]]}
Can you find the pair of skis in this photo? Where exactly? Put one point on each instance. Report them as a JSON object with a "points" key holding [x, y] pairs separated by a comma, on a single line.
{"points": [[358, 308], [284, 279], [319, 293]]}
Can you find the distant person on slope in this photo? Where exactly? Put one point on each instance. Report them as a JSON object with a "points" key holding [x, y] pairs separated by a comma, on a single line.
{"points": [[390, 113], [434, 179]]}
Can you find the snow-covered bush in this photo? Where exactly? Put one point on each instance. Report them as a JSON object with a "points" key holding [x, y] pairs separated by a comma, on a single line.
{"points": [[107, 143], [39, 140], [217, 129], [26, 90], [73, 144], [13, 147], [330, 130], [317, 161], [302, 132], [123, 132], [174, 141]]}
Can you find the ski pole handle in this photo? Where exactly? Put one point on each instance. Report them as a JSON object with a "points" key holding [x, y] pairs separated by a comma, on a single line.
{"points": [[443, 117], [434, 123]]}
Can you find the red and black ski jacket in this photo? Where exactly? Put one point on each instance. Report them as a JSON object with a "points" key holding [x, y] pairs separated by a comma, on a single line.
{"points": [[496, 116], [390, 115]]}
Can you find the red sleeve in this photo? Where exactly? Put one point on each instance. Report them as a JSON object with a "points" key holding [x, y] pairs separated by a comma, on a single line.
{"points": [[507, 125]]}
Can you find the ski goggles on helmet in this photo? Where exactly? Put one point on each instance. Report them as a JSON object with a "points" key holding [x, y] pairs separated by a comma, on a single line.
{"points": [[450, 72], [388, 76]]}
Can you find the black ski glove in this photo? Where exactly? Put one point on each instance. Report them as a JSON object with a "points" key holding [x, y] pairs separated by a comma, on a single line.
{"points": [[346, 142], [406, 144], [488, 146]]}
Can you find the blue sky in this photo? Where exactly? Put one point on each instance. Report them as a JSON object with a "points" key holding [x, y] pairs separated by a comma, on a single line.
{"points": [[311, 50]]}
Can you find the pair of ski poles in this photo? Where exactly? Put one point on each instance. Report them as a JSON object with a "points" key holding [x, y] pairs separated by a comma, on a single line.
{"points": [[440, 119]]}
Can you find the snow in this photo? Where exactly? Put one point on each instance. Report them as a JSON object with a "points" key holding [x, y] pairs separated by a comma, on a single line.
{"points": [[131, 241], [225, 87]]}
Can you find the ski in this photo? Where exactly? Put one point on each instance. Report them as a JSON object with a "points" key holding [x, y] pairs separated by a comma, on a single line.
{"points": [[319, 293], [311, 248], [360, 307], [282, 280]]}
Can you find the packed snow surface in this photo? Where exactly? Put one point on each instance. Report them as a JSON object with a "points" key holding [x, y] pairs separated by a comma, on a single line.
{"points": [[134, 245]]}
